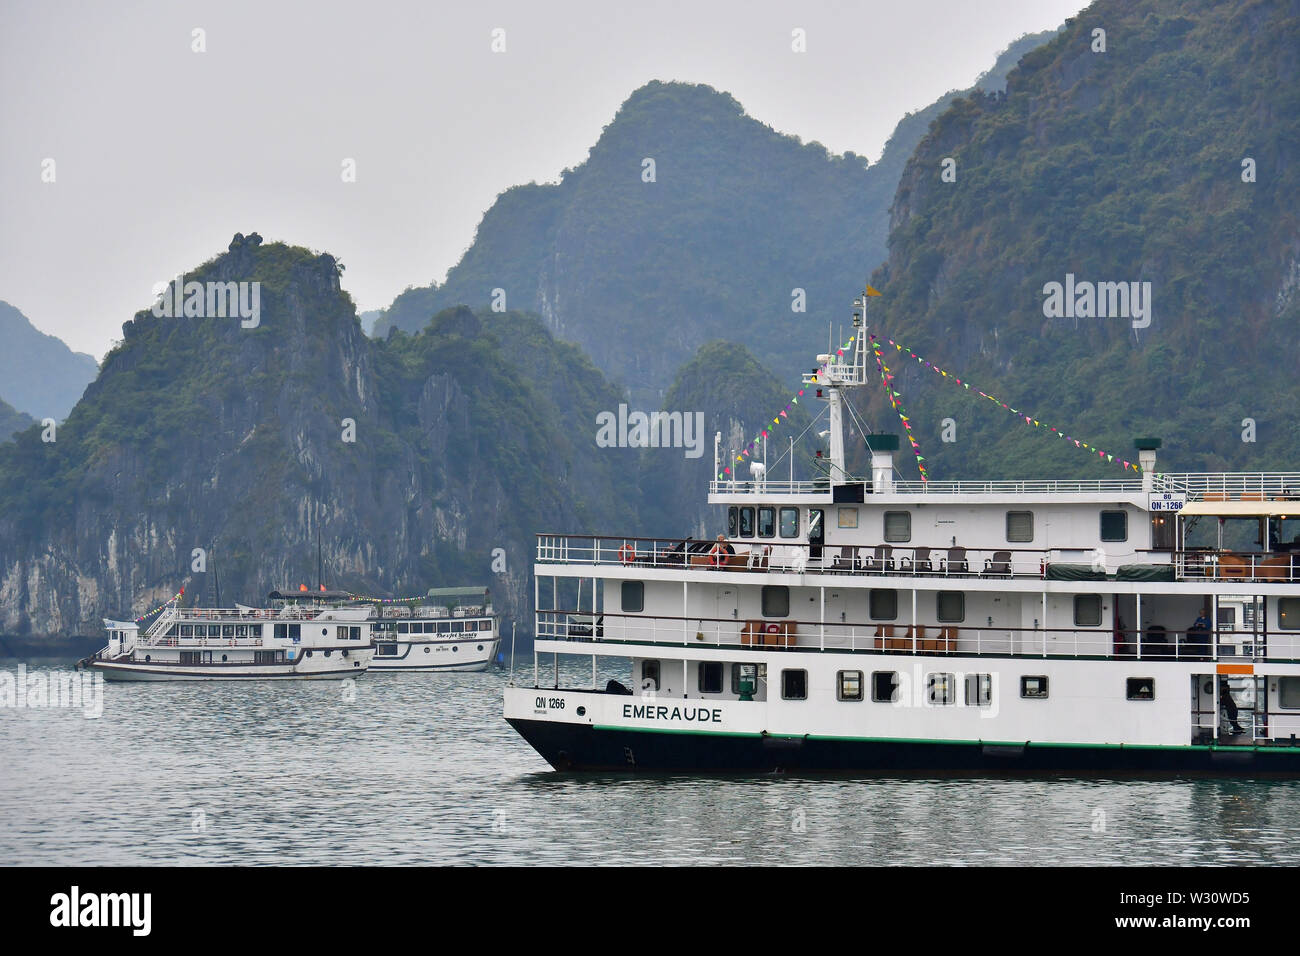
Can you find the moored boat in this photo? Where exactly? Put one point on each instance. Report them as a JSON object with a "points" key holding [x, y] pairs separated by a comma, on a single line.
{"points": [[289, 641]]}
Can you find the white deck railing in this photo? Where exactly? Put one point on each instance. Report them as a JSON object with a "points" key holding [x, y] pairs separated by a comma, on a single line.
{"points": [[1223, 486], [930, 639]]}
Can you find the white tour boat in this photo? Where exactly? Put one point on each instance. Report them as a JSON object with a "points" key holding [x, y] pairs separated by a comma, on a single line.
{"points": [[438, 637], [291, 640], [867, 624]]}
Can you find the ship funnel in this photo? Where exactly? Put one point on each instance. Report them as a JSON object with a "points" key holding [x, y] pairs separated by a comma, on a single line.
{"points": [[882, 449], [1146, 449]]}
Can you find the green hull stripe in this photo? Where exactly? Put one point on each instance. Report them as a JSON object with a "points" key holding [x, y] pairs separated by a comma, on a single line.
{"points": [[1037, 744]]}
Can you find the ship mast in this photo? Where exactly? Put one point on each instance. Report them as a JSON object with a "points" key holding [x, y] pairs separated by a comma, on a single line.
{"points": [[836, 373]]}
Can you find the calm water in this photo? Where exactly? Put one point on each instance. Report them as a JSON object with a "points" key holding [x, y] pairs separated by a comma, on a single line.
{"points": [[421, 768]]}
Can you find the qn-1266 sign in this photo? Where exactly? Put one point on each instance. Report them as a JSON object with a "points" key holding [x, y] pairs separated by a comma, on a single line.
{"points": [[1166, 501]]}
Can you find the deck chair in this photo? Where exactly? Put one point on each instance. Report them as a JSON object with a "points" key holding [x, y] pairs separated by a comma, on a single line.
{"points": [[918, 563], [955, 563], [998, 566]]}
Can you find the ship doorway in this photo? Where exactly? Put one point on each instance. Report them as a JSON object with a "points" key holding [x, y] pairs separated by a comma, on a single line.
{"points": [[1229, 709], [725, 610], [838, 632], [816, 533]]}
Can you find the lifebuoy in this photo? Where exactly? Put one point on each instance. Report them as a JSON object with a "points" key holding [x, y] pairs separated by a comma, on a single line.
{"points": [[774, 629], [627, 553]]}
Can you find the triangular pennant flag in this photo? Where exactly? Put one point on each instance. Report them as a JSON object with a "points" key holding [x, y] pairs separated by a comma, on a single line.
{"points": [[871, 291]]}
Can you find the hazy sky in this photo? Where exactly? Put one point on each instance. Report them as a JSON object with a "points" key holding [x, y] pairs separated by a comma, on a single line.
{"points": [[161, 153]]}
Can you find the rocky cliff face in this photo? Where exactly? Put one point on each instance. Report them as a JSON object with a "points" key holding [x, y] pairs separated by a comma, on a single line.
{"points": [[1150, 144], [206, 449], [39, 374]]}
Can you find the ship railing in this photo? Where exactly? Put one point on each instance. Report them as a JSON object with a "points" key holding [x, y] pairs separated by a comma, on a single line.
{"points": [[822, 486], [1198, 486], [1232, 485], [173, 640], [1260, 567], [774, 555], [293, 612], [162, 621], [632, 630]]}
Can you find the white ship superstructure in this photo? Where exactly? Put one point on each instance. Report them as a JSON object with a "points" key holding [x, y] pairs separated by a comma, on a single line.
{"points": [[438, 637], [293, 640], [868, 623]]}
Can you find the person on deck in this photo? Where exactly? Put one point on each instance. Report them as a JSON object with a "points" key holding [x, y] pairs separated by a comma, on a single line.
{"points": [[1228, 707]]}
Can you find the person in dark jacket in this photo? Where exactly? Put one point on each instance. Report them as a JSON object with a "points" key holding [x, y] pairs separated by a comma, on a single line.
{"points": [[1228, 707]]}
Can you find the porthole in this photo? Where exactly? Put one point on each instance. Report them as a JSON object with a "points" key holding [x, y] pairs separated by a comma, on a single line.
{"points": [[223, 658], [480, 647], [455, 650], [327, 653], [309, 653], [148, 658], [426, 650], [582, 711], [324, 632]]}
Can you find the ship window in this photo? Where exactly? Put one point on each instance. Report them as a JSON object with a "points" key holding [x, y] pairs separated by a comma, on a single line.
{"points": [[1141, 688], [941, 689], [1288, 613], [403, 627], [794, 685], [458, 627], [1020, 526], [385, 650], [354, 633], [847, 517], [633, 596], [747, 522], [1114, 526], [776, 600], [884, 686], [767, 522], [884, 604], [950, 607], [898, 526], [1087, 610], [200, 630], [789, 522], [979, 690], [191, 657], [227, 630], [649, 675], [1289, 692], [850, 685], [295, 631], [733, 520], [187, 630], [710, 677], [1034, 687]]}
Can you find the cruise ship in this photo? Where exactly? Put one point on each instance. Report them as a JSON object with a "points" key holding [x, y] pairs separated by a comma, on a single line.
{"points": [[295, 639], [1141, 624], [459, 635]]}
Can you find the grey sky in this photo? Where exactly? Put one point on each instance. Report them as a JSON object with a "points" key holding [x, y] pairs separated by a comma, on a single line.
{"points": [[162, 154]]}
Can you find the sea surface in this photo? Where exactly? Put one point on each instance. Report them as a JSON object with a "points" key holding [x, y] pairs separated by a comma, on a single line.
{"points": [[421, 769]]}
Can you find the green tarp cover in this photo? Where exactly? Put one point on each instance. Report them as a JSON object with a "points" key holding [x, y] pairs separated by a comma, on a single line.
{"points": [[1145, 572], [1074, 572]]}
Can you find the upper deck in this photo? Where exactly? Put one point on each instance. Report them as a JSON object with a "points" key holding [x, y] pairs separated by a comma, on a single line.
{"points": [[1194, 486]]}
